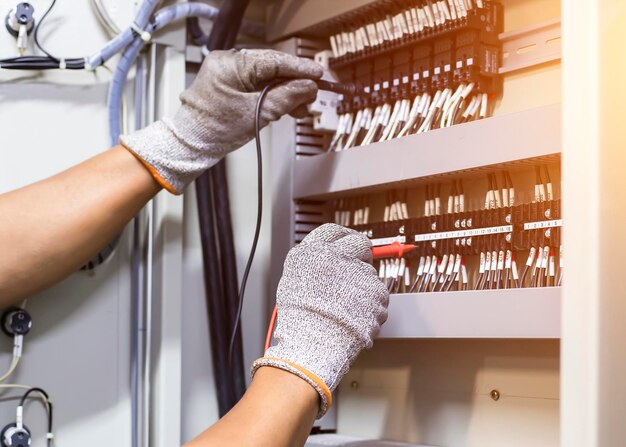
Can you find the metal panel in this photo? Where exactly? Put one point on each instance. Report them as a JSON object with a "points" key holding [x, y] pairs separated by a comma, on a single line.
{"points": [[515, 137], [512, 313], [534, 45], [288, 17], [168, 276], [438, 392], [594, 333], [79, 348]]}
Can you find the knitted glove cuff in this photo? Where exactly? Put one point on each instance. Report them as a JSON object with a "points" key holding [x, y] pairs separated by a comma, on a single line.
{"points": [[173, 161], [318, 384]]}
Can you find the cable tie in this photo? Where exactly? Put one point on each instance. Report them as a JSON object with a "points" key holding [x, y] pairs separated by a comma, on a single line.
{"points": [[50, 436], [62, 64], [88, 66], [145, 35]]}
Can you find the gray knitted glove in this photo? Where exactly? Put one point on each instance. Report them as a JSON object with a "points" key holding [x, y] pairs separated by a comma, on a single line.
{"points": [[217, 112], [331, 304]]}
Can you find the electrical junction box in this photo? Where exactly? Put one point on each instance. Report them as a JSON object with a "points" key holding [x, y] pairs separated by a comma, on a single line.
{"points": [[349, 441]]}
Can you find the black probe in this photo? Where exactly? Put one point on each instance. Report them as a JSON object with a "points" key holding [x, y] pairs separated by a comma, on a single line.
{"points": [[335, 87], [328, 86]]}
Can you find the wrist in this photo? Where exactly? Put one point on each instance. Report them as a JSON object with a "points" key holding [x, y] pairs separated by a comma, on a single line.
{"points": [[166, 153], [314, 382], [315, 341]]}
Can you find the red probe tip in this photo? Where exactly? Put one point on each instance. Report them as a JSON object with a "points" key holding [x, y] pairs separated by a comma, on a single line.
{"points": [[395, 250]]}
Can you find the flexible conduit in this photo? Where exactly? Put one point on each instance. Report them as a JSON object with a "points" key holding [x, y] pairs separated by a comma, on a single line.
{"points": [[162, 18]]}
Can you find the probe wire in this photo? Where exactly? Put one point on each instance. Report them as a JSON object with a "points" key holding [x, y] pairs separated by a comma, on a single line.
{"points": [[36, 31], [257, 230]]}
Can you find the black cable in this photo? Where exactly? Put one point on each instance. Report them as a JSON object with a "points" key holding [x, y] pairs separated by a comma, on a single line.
{"points": [[221, 306], [47, 403], [36, 31], [259, 216], [229, 277], [40, 63]]}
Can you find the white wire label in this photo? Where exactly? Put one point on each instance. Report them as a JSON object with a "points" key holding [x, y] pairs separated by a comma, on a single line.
{"points": [[543, 224], [388, 241], [463, 233]]}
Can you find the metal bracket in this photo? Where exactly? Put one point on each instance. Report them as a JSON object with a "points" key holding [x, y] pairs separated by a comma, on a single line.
{"points": [[531, 46]]}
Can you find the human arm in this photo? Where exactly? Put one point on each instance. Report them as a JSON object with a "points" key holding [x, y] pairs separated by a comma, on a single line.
{"points": [[49, 229], [278, 410], [330, 305]]}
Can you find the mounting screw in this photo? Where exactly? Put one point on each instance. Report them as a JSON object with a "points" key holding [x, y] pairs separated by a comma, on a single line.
{"points": [[433, 226], [401, 229], [354, 385], [508, 218], [508, 237], [547, 213], [469, 223], [548, 233], [495, 395]]}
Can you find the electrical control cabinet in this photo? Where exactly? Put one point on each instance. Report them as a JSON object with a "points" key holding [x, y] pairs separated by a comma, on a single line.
{"points": [[488, 361], [475, 362]]}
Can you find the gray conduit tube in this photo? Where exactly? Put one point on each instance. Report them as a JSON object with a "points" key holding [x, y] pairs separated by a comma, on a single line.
{"points": [[162, 18]]}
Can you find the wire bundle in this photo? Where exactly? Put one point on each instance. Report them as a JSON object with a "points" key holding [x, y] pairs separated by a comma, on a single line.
{"points": [[351, 212], [460, 249], [386, 122], [423, 17]]}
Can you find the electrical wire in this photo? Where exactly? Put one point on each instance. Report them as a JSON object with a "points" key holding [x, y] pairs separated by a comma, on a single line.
{"points": [[270, 329], [48, 405], [259, 216], [45, 398], [36, 31], [12, 367]]}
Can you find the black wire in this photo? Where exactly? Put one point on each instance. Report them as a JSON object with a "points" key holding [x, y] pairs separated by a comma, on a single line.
{"points": [[40, 63], [259, 215], [48, 403], [36, 32]]}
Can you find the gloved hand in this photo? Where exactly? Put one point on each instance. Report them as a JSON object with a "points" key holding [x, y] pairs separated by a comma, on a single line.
{"points": [[331, 304], [217, 112]]}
